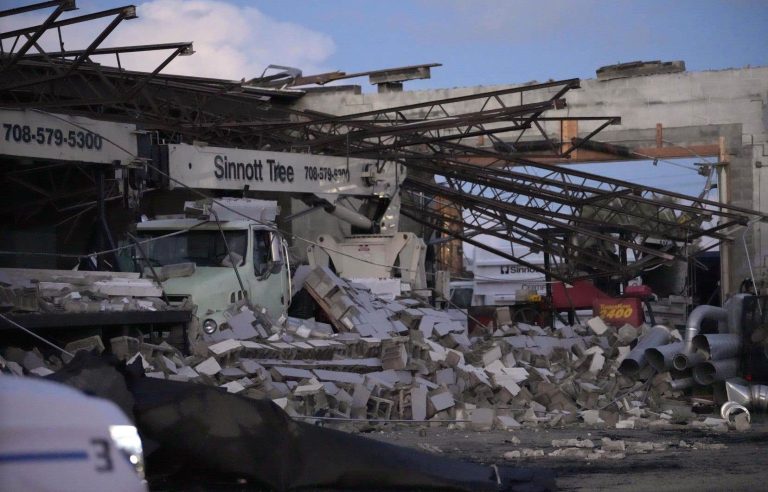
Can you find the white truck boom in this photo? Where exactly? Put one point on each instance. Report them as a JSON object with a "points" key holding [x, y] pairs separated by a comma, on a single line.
{"points": [[378, 251]]}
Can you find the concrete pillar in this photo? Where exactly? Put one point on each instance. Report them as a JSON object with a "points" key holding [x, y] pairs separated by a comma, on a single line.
{"points": [[760, 159], [748, 254]]}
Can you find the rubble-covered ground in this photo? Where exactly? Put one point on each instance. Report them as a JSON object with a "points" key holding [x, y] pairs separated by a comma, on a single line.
{"points": [[657, 460], [549, 397], [402, 359]]}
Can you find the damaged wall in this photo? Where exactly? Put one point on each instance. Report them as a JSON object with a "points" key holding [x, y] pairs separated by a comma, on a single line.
{"points": [[694, 108]]}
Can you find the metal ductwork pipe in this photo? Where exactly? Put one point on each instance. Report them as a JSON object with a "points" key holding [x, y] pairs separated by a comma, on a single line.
{"points": [[731, 409], [687, 360], [718, 346], [698, 315], [681, 380], [660, 358], [737, 390], [753, 396], [715, 370], [657, 336], [759, 394]]}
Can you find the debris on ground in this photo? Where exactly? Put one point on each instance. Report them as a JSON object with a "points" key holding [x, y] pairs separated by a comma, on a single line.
{"points": [[25, 290], [380, 359], [606, 448]]}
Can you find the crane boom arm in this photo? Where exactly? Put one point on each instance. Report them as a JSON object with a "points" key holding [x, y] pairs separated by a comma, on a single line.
{"points": [[219, 168]]}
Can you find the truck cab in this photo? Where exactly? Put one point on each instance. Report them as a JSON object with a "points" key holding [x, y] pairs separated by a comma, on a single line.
{"points": [[221, 260]]}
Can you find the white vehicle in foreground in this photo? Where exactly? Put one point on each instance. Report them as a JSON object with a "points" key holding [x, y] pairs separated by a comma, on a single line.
{"points": [[55, 438]]}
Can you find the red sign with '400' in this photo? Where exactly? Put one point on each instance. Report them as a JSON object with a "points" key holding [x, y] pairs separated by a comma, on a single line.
{"points": [[618, 312]]}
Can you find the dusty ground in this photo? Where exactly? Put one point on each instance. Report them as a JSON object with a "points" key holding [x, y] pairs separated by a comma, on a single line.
{"points": [[741, 465]]}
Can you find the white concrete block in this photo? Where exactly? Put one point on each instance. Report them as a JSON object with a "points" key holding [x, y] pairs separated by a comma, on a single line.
{"points": [[441, 400], [597, 325], [224, 347], [41, 371], [233, 387], [482, 418], [598, 361], [209, 367], [491, 355], [188, 372], [339, 376], [419, 403], [314, 386], [445, 376], [506, 422]]}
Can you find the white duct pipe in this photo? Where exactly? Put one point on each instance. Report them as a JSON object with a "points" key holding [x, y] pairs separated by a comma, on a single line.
{"points": [[698, 315], [737, 390], [715, 370], [681, 380], [718, 346], [660, 358], [754, 396], [657, 336], [687, 360], [731, 409], [759, 397]]}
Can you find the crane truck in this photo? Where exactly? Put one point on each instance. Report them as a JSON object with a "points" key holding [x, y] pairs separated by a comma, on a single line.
{"points": [[220, 254]]}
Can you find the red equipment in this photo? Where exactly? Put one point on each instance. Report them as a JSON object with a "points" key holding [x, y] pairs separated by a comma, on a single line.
{"points": [[614, 311]]}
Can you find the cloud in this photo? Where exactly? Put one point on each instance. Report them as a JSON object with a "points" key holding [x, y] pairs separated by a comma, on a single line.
{"points": [[230, 41]]}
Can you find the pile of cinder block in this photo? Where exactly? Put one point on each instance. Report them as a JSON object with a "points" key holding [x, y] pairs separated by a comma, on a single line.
{"points": [[52, 291], [402, 359]]}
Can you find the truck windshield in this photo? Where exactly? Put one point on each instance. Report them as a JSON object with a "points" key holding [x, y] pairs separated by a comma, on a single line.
{"points": [[204, 248]]}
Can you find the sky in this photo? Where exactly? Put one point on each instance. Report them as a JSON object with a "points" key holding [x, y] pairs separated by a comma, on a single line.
{"points": [[478, 42]]}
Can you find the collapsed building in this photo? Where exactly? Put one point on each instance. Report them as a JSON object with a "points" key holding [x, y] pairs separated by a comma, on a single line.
{"points": [[121, 162]]}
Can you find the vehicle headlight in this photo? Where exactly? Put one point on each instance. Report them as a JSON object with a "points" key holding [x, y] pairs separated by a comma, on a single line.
{"points": [[209, 326], [127, 440]]}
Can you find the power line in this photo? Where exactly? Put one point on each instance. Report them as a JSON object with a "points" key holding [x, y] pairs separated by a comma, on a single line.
{"points": [[36, 336]]}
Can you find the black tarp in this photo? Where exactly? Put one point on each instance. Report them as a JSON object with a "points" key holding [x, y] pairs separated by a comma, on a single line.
{"points": [[201, 437]]}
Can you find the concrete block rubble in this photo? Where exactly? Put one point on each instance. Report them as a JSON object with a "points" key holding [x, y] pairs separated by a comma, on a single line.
{"points": [[603, 449], [403, 359], [57, 291]]}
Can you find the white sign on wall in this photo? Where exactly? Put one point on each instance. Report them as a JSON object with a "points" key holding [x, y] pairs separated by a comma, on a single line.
{"points": [[220, 168], [37, 135]]}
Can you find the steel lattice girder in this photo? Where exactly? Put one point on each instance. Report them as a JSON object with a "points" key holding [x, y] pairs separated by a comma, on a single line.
{"points": [[566, 198], [537, 205], [377, 133], [524, 226], [68, 81]]}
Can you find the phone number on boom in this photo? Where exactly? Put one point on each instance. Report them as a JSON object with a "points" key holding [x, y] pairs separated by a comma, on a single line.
{"points": [[313, 173], [52, 136]]}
